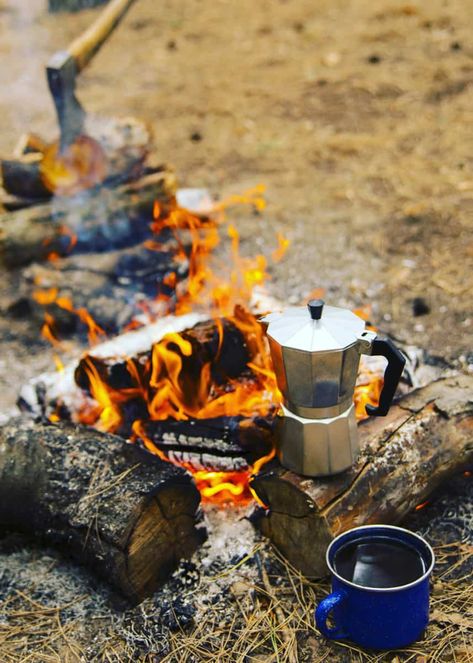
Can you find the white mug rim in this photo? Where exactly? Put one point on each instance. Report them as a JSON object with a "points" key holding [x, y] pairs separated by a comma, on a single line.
{"points": [[398, 588]]}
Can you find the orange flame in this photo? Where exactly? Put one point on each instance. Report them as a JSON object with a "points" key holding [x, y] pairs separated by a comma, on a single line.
{"points": [[49, 296], [165, 383]]}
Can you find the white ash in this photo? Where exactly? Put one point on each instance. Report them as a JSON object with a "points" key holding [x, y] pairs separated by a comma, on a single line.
{"points": [[197, 201], [208, 461], [231, 539], [230, 534]]}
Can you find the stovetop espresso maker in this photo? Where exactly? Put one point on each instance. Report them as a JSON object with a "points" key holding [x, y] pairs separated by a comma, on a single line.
{"points": [[316, 353]]}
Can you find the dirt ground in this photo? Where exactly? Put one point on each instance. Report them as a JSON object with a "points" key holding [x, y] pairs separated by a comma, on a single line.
{"points": [[355, 115]]}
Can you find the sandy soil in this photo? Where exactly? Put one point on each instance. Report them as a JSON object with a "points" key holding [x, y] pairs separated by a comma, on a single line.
{"points": [[355, 115]]}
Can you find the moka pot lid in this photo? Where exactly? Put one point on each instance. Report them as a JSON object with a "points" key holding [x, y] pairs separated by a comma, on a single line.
{"points": [[315, 327]]}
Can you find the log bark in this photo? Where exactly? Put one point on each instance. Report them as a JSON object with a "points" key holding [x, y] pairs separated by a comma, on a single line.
{"points": [[126, 514], [93, 221], [426, 437]]}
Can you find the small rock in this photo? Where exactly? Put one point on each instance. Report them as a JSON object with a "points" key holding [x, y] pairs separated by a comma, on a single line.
{"points": [[420, 306], [196, 137], [374, 59], [455, 46], [240, 588], [331, 59]]}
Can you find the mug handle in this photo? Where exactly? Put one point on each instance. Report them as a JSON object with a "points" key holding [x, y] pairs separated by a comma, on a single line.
{"points": [[322, 612]]}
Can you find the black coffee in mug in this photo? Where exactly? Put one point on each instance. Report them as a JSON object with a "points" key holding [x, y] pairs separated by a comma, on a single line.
{"points": [[378, 562]]}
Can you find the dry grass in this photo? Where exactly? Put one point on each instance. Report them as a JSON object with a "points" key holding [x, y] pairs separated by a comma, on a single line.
{"points": [[32, 632], [276, 623], [269, 618]]}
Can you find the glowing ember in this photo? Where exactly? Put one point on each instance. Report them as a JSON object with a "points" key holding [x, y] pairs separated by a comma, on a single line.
{"points": [[82, 165], [422, 505], [66, 232]]}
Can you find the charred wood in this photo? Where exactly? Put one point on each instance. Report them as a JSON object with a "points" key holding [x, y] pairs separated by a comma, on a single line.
{"points": [[221, 443], [110, 286], [219, 344], [21, 177], [426, 437], [126, 514], [93, 221], [123, 145]]}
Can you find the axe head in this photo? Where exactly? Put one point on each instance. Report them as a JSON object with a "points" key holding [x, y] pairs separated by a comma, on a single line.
{"points": [[61, 72]]}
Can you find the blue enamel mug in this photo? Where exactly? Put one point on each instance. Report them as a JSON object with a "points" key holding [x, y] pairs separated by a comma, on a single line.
{"points": [[380, 587]]}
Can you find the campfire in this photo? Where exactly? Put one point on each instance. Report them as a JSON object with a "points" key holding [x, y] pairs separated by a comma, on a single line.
{"points": [[178, 364], [217, 377]]}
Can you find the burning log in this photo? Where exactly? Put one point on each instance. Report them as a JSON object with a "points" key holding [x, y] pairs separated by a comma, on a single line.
{"points": [[41, 395], [90, 222], [109, 286], [220, 444], [213, 357], [404, 456], [219, 344], [126, 514]]}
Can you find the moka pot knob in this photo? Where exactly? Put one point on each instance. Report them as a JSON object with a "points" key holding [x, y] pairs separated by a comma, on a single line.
{"points": [[315, 307]]}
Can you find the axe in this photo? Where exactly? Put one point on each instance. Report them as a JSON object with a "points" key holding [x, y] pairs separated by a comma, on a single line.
{"points": [[64, 67]]}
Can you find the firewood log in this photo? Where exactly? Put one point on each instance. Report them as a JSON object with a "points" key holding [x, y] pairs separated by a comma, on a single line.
{"points": [[126, 514], [21, 177], [123, 145], [93, 221], [228, 357], [41, 395], [426, 437], [110, 286]]}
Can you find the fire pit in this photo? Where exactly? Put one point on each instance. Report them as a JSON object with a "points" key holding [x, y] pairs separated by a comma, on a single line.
{"points": [[144, 513]]}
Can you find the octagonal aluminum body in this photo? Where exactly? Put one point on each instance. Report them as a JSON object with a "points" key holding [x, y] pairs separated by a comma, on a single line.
{"points": [[317, 447], [316, 361]]}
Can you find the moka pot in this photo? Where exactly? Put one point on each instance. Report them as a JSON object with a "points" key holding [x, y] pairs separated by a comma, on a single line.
{"points": [[316, 354]]}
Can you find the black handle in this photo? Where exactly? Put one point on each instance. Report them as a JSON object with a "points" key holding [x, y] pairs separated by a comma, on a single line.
{"points": [[392, 375], [316, 306]]}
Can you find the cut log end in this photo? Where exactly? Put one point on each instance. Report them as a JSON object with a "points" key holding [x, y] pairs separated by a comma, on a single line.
{"points": [[163, 533]]}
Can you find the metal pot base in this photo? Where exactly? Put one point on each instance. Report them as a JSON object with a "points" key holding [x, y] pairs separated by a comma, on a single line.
{"points": [[317, 447]]}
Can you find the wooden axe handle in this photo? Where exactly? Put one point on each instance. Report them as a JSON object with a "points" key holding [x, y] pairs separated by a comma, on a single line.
{"points": [[86, 46]]}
